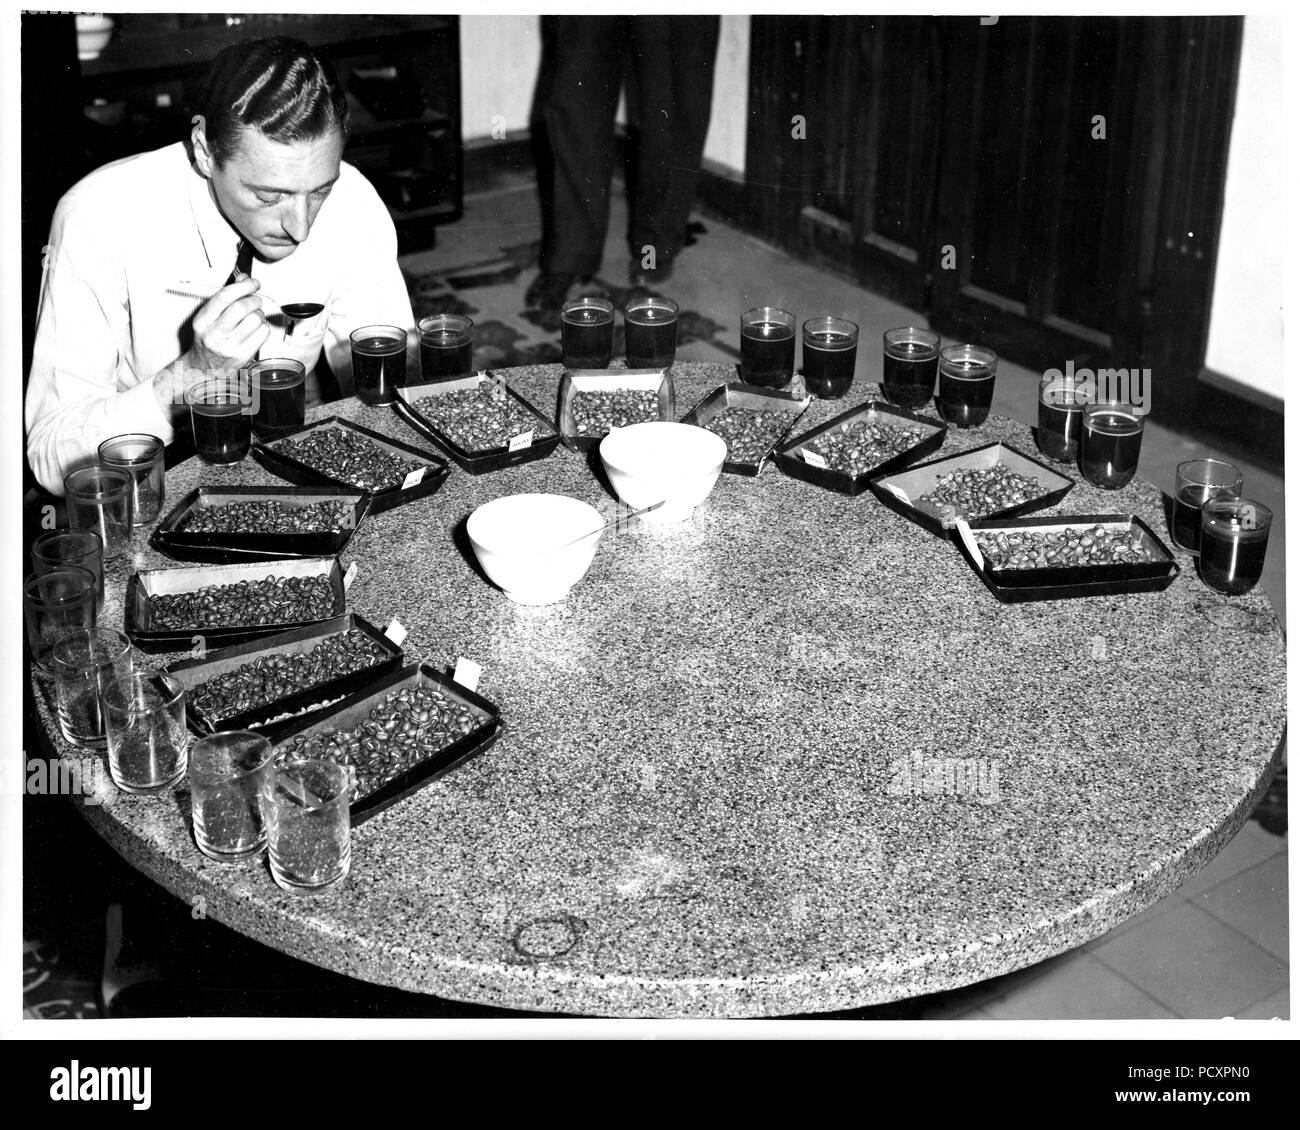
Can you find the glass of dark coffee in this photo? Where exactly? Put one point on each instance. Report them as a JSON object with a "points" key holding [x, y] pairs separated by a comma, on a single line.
{"points": [[279, 396], [1198, 481], [1234, 543], [830, 353], [650, 332], [220, 414], [378, 363], [966, 376], [767, 346], [1111, 444], [1060, 417], [587, 330], [911, 363], [446, 347]]}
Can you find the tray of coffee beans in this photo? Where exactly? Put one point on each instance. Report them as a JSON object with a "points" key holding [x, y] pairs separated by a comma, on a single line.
{"points": [[212, 605], [993, 481], [225, 525], [293, 673], [592, 401], [480, 421], [872, 439], [1022, 559], [403, 733], [347, 456], [752, 419]]}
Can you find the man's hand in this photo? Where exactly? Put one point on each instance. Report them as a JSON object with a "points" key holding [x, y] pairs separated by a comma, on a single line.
{"points": [[229, 328]]}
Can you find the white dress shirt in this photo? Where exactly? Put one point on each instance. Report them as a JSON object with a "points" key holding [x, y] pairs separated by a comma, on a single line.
{"points": [[135, 249]]}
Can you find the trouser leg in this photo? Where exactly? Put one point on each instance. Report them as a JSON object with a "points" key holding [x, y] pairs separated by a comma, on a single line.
{"points": [[673, 58], [578, 92]]}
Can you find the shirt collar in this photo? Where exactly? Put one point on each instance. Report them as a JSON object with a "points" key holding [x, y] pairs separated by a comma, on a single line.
{"points": [[220, 240]]}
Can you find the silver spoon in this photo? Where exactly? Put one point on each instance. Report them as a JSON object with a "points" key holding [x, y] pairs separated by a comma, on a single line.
{"points": [[612, 522]]}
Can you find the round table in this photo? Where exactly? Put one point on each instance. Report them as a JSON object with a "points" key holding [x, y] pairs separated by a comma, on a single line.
{"points": [[788, 757]]}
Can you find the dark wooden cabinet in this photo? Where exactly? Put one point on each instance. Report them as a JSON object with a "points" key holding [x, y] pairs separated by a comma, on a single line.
{"points": [[401, 73], [1048, 186]]}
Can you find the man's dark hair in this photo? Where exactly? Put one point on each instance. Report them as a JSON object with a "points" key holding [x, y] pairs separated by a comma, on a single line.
{"points": [[278, 86]]}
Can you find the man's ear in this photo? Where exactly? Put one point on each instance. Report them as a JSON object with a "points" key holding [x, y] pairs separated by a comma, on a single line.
{"points": [[199, 140]]}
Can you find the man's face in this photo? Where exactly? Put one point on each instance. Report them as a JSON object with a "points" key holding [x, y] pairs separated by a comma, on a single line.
{"points": [[270, 191]]}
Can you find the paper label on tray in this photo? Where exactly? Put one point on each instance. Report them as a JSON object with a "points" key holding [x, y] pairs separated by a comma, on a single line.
{"points": [[413, 478], [897, 492], [813, 459], [349, 576], [395, 632], [967, 536], [522, 440], [467, 673]]}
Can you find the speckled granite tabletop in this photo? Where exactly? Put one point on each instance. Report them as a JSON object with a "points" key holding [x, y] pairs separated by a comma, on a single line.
{"points": [[789, 757]]}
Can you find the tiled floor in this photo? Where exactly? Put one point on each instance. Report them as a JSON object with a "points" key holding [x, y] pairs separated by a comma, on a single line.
{"points": [[1217, 946]]}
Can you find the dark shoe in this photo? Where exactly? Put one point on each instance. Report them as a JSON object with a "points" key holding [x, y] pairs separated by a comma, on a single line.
{"points": [[549, 291]]}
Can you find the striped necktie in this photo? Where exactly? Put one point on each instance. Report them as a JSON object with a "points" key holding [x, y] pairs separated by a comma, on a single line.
{"points": [[243, 262]]}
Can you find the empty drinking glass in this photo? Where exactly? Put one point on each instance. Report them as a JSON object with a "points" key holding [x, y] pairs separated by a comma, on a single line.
{"points": [[84, 664], [99, 499], [227, 793], [57, 604], [148, 743], [141, 457], [308, 823]]}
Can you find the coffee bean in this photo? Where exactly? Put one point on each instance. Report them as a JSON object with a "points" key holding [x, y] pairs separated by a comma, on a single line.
{"points": [[751, 433], [380, 754], [594, 413], [1028, 549], [349, 457], [974, 493], [858, 445], [481, 418], [269, 517], [274, 600], [270, 677]]}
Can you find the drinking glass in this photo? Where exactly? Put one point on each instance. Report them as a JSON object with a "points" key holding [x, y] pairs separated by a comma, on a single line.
{"points": [[1234, 543], [966, 377], [308, 823], [650, 332], [57, 604], [84, 664], [227, 790], [99, 499], [220, 415], [767, 346], [1199, 480], [148, 743], [58, 548], [830, 353], [279, 396], [378, 363], [1111, 444], [1060, 417], [587, 331], [446, 347], [910, 365], [141, 456]]}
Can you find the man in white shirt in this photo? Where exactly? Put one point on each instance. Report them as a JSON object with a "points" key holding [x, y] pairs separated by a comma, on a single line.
{"points": [[169, 266]]}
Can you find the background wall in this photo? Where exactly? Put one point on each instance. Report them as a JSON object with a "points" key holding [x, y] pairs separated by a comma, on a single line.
{"points": [[1245, 341], [499, 59]]}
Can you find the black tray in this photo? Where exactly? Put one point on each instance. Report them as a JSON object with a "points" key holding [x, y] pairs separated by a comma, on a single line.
{"points": [[918, 480], [488, 459], [738, 395], [229, 549], [789, 456], [351, 713], [380, 500], [192, 672], [659, 381], [1012, 586], [150, 582]]}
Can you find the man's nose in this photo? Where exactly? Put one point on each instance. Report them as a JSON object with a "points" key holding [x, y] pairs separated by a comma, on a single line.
{"points": [[296, 220]]}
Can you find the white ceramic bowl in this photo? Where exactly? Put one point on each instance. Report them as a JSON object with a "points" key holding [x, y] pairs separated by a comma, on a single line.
{"points": [[662, 461], [93, 34], [522, 542]]}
